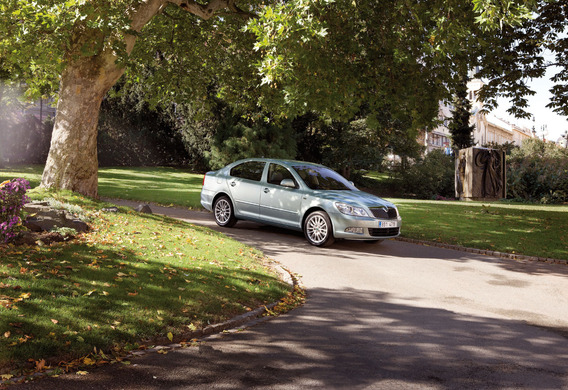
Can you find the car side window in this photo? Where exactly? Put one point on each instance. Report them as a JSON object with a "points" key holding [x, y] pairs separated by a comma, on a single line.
{"points": [[251, 170], [277, 173]]}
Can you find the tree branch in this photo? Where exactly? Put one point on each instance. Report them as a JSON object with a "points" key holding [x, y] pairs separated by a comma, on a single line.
{"points": [[206, 11]]}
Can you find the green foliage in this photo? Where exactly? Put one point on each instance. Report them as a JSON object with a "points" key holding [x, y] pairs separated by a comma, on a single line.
{"points": [[334, 57], [350, 146], [344, 146], [237, 138], [361, 143], [197, 131], [330, 57], [73, 209], [496, 14], [39, 39], [429, 177], [538, 172], [507, 147], [182, 59], [66, 232], [518, 52]]}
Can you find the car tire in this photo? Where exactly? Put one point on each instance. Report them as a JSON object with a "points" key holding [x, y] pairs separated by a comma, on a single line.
{"points": [[223, 210], [318, 229]]}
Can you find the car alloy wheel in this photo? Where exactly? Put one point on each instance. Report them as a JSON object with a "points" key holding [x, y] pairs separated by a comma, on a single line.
{"points": [[318, 229], [223, 210]]}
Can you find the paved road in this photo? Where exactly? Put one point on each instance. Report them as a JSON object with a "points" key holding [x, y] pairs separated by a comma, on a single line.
{"points": [[389, 316]]}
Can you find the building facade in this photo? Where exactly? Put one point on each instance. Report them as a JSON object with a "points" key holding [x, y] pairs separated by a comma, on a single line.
{"points": [[488, 129]]}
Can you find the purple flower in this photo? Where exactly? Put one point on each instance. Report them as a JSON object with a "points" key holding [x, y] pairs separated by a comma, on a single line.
{"points": [[12, 200]]}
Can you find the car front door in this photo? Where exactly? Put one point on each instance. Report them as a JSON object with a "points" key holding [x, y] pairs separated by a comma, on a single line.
{"points": [[280, 204], [244, 185]]}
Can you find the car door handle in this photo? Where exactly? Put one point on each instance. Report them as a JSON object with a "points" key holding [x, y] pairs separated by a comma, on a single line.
{"points": [[266, 190]]}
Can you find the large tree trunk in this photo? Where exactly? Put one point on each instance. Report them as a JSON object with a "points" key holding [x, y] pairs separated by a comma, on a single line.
{"points": [[72, 161]]}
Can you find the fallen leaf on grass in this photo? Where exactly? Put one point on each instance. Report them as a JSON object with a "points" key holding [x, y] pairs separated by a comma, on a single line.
{"points": [[88, 361], [40, 364]]}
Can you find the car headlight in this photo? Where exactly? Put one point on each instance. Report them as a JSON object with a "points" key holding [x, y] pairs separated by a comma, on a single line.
{"points": [[351, 210]]}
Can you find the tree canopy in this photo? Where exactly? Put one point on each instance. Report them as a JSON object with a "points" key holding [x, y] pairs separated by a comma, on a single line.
{"points": [[332, 57]]}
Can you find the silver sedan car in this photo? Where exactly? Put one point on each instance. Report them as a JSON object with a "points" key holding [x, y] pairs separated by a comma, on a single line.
{"points": [[298, 195]]}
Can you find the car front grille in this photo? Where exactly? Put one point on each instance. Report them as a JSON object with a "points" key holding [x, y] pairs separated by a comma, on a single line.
{"points": [[384, 212], [387, 232]]}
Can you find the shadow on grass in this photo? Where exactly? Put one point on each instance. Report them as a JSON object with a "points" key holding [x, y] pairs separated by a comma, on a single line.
{"points": [[87, 297]]}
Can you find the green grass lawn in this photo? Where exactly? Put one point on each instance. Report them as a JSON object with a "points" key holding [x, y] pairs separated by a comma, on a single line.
{"points": [[148, 184], [131, 279], [534, 230], [159, 185]]}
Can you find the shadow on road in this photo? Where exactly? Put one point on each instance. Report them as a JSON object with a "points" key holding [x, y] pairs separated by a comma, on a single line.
{"points": [[367, 343], [275, 241]]}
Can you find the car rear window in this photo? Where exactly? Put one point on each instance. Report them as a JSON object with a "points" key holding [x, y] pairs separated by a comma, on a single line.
{"points": [[251, 170]]}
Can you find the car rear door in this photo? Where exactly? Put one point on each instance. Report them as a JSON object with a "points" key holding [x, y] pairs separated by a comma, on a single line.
{"points": [[244, 185]]}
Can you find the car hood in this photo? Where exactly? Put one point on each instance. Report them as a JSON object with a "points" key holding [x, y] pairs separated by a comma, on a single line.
{"points": [[354, 198]]}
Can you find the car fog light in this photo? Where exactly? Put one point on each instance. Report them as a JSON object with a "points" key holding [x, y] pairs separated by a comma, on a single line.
{"points": [[356, 230]]}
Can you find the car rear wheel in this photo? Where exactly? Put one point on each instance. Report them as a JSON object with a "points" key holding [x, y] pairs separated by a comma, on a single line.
{"points": [[318, 229], [223, 210]]}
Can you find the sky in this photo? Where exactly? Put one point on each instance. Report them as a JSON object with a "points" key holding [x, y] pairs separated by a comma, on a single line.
{"points": [[556, 125]]}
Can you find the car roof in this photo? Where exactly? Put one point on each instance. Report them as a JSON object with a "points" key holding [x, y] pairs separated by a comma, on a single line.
{"points": [[285, 162]]}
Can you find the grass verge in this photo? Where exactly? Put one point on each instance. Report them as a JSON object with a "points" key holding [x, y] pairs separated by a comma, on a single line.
{"points": [[132, 278], [532, 230], [161, 185]]}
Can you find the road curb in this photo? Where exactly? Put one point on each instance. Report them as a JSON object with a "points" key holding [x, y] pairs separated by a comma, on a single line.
{"points": [[503, 255]]}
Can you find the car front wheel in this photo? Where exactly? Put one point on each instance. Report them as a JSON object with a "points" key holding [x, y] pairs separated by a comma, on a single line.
{"points": [[318, 229], [223, 210]]}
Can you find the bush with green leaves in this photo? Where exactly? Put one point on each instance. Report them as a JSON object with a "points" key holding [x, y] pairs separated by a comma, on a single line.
{"points": [[429, 177], [237, 138], [538, 172]]}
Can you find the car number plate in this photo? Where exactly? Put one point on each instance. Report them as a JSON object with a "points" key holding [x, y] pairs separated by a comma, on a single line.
{"points": [[387, 224]]}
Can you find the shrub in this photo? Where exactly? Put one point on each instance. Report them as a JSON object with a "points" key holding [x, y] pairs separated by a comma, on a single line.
{"points": [[12, 199], [430, 177], [538, 172]]}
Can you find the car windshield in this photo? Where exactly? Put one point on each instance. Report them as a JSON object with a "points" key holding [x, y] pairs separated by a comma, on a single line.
{"points": [[322, 178]]}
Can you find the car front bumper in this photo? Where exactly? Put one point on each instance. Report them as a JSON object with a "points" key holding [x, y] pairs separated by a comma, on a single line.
{"points": [[364, 228]]}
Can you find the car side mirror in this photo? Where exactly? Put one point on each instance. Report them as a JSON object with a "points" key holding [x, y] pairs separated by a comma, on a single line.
{"points": [[288, 183]]}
